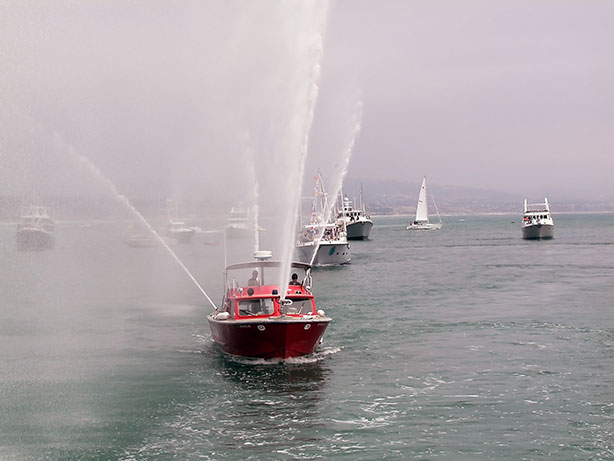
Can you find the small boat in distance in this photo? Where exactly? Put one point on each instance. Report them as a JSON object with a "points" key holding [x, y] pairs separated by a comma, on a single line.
{"points": [[357, 222], [35, 230], [176, 229], [142, 241], [254, 321], [537, 222], [421, 222], [179, 231], [238, 225]]}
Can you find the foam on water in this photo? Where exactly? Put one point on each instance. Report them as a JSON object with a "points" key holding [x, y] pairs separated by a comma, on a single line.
{"points": [[306, 359]]}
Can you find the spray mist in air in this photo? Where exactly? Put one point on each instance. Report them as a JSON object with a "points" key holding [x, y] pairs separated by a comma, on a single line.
{"points": [[123, 199], [354, 130]]}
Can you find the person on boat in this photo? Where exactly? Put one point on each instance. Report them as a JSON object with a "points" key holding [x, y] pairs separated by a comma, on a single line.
{"points": [[253, 282], [255, 304], [294, 280]]}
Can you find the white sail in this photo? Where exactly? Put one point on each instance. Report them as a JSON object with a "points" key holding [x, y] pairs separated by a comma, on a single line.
{"points": [[422, 210]]}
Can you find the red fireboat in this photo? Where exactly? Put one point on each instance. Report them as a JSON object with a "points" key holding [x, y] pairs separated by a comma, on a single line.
{"points": [[254, 321]]}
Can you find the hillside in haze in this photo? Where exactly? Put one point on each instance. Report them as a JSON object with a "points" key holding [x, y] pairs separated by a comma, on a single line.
{"points": [[381, 197]]}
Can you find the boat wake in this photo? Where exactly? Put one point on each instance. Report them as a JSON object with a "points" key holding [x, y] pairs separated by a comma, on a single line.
{"points": [[305, 359]]}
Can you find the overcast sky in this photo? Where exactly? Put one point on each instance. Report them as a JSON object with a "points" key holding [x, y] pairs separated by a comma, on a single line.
{"points": [[510, 95]]}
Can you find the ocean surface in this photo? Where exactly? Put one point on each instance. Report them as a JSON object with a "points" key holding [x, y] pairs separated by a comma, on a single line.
{"points": [[465, 343]]}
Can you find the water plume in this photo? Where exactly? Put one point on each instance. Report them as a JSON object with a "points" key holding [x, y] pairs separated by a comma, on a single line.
{"points": [[354, 130], [254, 192], [316, 50]]}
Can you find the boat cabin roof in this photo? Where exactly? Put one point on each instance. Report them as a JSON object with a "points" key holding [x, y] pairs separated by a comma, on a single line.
{"points": [[537, 211], [256, 264], [35, 211]]}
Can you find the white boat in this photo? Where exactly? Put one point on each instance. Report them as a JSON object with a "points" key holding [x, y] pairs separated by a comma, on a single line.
{"points": [[537, 222], [322, 242], [35, 230], [357, 221], [179, 231], [176, 229], [329, 243], [421, 222], [238, 225]]}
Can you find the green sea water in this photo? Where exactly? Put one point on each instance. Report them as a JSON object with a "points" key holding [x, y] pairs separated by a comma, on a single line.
{"points": [[465, 343]]}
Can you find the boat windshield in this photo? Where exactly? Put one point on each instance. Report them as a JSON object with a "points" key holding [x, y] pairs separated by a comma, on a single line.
{"points": [[261, 274], [299, 306], [262, 306]]}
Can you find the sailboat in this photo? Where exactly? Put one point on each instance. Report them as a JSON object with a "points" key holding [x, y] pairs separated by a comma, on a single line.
{"points": [[422, 212]]}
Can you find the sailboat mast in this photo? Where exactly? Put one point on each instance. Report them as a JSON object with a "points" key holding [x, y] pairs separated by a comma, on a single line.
{"points": [[362, 203]]}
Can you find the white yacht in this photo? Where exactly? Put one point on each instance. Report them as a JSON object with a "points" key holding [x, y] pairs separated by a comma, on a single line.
{"points": [[179, 231], [323, 242], [176, 229], [357, 221], [35, 230], [238, 224], [537, 222], [421, 222]]}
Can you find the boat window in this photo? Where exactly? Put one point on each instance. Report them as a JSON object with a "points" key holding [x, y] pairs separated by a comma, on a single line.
{"points": [[256, 307], [299, 306]]}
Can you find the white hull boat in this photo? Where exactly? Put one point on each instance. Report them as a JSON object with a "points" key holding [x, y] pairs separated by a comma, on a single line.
{"points": [[322, 242], [359, 230], [537, 222], [358, 224], [178, 231], [333, 253], [238, 225]]}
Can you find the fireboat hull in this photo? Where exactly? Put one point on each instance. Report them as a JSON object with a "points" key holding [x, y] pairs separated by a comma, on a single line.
{"points": [[267, 338]]}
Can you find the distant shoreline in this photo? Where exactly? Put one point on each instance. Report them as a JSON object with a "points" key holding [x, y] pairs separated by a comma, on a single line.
{"points": [[491, 213]]}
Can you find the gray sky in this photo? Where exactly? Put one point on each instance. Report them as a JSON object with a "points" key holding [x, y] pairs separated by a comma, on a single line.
{"points": [[510, 95]]}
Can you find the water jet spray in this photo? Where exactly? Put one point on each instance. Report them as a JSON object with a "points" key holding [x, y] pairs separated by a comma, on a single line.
{"points": [[96, 171]]}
